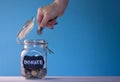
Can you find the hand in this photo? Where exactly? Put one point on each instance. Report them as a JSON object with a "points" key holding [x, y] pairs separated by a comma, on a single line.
{"points": [[47, 14]]}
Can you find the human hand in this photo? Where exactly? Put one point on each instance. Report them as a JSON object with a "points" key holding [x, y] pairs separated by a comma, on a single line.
{"points": [[47, 14]]}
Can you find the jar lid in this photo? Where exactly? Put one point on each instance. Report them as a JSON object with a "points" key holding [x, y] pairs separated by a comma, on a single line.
{"points": [[27, 27]]}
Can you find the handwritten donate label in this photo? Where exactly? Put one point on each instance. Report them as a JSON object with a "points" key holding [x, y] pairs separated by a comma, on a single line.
{"points": [[33, 62]]}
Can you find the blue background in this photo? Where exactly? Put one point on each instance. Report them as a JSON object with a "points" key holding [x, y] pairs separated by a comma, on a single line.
{"points": [[86, 41]]}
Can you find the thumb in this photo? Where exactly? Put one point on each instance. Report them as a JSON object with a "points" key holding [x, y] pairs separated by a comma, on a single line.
{"points": [[44, 21]]}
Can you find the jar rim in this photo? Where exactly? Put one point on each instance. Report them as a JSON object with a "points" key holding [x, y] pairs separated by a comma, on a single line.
{"points": [[35, 41]]}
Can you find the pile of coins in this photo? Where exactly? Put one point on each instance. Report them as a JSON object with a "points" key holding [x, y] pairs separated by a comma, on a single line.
{"points": [[35, 73]]}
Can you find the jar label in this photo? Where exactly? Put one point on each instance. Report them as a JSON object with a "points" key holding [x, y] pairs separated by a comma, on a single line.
{"points": [[33, 62]]}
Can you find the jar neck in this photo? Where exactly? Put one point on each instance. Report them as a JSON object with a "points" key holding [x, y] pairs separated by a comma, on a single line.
{"points": [[35, 43], [29, 46]]}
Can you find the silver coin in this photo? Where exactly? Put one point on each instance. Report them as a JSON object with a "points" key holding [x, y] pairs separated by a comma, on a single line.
{"points": [[42, 73]]}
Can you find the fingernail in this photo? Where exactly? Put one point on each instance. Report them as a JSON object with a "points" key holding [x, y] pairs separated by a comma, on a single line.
{"points": [[55, 17], [52, 28], [56, 23]]}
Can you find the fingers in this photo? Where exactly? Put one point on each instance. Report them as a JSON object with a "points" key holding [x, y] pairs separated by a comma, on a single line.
{"points": [[42, 19], [51, 23], [45, 19], [39, 16]]}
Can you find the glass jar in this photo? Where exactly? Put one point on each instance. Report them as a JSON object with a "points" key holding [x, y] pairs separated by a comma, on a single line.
{"points": [[34, 59]]}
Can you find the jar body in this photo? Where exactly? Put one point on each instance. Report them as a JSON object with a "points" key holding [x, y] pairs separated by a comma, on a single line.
{"points": [[34, 59]]}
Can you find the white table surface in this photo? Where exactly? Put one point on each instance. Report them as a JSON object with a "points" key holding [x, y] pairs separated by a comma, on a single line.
{"points": [[62, 79]]}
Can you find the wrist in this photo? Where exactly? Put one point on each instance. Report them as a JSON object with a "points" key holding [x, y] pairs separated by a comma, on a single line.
{"points": [[61, 5]]}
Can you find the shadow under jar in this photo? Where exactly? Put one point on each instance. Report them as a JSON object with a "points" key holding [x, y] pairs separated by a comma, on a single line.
{"points": [[34, 59]]}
